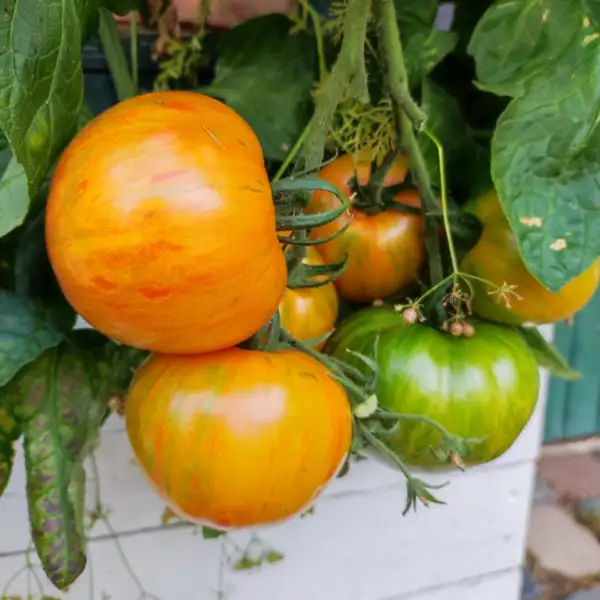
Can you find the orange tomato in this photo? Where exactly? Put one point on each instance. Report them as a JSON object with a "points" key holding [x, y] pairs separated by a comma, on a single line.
{"points": [[496, 258], [160, 225], [238, 438], [385, 251], [310, 313]]}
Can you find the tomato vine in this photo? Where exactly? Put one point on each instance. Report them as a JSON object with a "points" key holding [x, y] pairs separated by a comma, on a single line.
{"points": [[374, 79]]}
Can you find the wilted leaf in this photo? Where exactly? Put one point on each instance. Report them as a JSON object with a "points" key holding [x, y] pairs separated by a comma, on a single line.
{"points": [[63, 399], [266, 75]]}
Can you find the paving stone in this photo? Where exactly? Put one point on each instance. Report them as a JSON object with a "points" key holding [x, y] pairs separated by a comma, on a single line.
{"points": [[543, 493], [572, 476], [593, 594], [530, 589], [588, 512], [561, 545]]}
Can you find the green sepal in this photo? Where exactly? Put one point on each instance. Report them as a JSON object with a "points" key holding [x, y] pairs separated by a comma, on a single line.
{"points": [[313, 242], [304, 274], [293, 222]]}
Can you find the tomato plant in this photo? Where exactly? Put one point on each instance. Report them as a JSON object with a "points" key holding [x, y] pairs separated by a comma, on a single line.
{"points": [[238, 437], [481, 388], [529, 300], [357, 132]]}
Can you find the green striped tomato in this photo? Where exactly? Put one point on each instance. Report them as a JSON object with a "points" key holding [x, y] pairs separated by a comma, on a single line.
{"points": [[483, 387]]}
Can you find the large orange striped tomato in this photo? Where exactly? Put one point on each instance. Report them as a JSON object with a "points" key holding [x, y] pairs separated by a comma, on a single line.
{"points": [[238, 438], [385, 250], [160, 225], [310, 313]]}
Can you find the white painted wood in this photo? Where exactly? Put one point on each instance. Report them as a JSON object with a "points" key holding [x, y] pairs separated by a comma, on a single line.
{"points": [[356, 546], [175, 565]]}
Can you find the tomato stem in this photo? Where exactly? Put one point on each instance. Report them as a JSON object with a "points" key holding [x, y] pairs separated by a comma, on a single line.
{"points": [[376, 183], [416, 489], [115, 57], [290, 157], [408, 114], [394, 55], [444, 196], [133, 48], [315, 18], [348, 72]]}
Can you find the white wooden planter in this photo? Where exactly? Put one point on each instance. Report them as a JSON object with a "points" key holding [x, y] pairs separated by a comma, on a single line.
{"points": [[355, 546]]}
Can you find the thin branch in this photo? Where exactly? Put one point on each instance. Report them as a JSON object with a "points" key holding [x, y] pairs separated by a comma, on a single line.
{"points": [[115, 56], [408, 114], [348, 72]]}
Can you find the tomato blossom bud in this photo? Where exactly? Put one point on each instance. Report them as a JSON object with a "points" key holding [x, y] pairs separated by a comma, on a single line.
{"points": [[468, 330], [410, 315], [456, 328]]}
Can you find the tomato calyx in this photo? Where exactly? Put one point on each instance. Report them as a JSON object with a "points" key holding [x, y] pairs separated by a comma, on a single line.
{"points": [[311, 276], [375, 197]]}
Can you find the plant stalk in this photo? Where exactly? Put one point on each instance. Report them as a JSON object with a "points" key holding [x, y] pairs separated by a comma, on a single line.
{"points": [[408, 115], [133, 48], [348, 72], [115, 56], [376, 183]]}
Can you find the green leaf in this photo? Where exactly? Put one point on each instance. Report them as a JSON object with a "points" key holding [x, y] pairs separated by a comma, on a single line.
{"points": [[14, 191], [14, 197], [547, 354], [41, 81], [425, 49], [545, 154], [266, 75], [425, 46], [208, 533], [311, 276], [467, 14], [515, 41], [34, 277], [27, 329], [422, 12], [467, 162], [592, 9], [63, 399], [10, 431], [5, 154]]}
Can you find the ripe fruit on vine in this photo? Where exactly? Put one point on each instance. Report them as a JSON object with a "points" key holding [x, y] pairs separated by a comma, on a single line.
{"points": [[496, 258], [160, 225], [484, 386], [238, 438], [385, 248], [309, 313]]}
